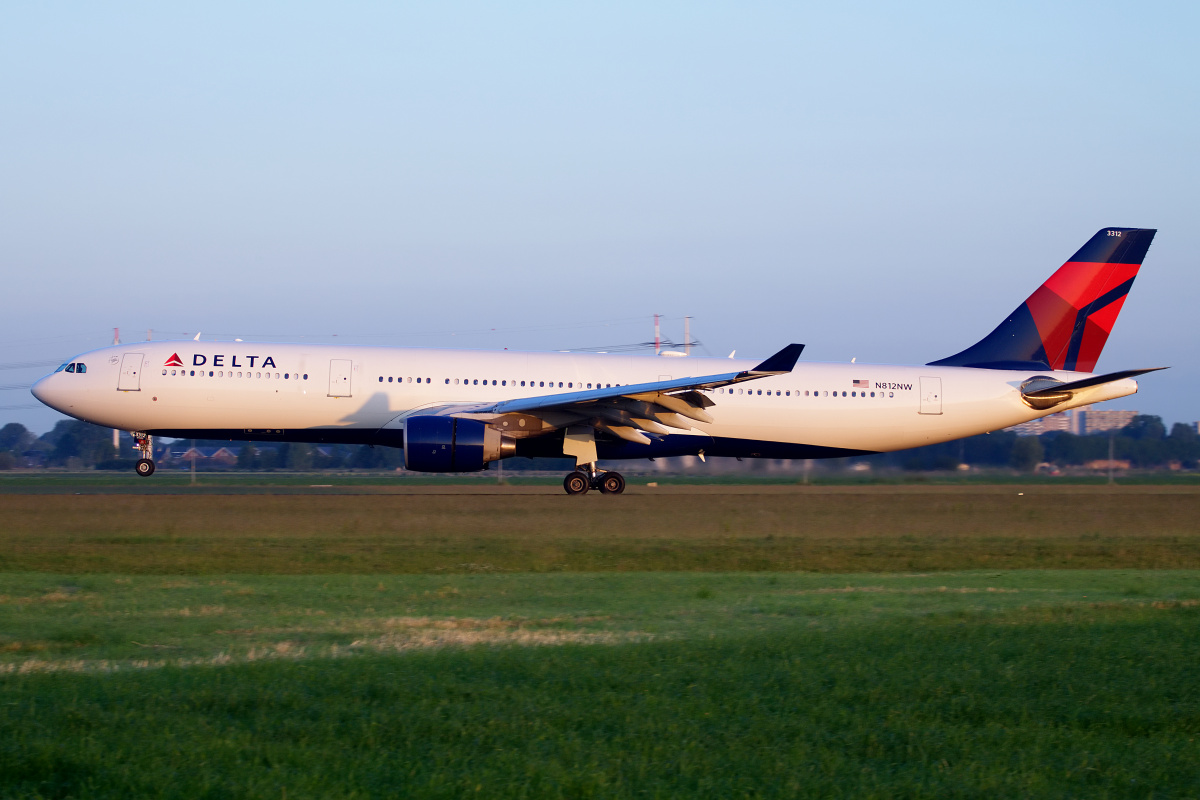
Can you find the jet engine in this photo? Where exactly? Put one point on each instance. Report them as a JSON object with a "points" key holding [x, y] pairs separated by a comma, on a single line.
{"points": [[448, 444]]}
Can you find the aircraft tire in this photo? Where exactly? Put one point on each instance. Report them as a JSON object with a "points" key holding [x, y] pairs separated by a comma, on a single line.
{"points": [[144, 467], [576, 483], [612, 483]]}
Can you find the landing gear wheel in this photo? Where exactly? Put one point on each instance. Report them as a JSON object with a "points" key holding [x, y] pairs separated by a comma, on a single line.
{"points": [[144, 467], [576, 483], [612, 483]]}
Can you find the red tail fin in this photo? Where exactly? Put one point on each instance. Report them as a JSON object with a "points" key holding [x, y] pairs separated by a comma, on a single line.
{"points": [[1065, 323]]}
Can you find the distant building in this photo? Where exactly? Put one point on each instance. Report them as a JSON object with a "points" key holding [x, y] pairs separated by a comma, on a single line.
{"points": [[1099, 420], [1062, 421], [1101, 464]]}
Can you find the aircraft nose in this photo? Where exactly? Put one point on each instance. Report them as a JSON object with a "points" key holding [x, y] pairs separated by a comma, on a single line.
{"points": [[44, 391]]}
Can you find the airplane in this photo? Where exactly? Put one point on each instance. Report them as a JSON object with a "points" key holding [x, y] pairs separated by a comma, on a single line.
{"points": [[462, 410]]}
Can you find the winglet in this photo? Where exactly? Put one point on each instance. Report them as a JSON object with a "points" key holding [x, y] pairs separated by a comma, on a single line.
{"points": [[780, 363]]}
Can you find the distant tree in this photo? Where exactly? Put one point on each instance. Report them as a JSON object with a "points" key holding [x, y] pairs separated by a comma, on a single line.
{"points": [[248, 458], [81, 443], [367, 457], [1027, 453], [15, 437], [1184, 444], [1145, 426], [300, 456], [268, 458], [7, 460]]}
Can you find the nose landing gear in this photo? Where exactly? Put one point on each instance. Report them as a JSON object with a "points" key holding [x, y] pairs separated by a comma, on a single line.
{"points": [[145, 465], [587, 477]]}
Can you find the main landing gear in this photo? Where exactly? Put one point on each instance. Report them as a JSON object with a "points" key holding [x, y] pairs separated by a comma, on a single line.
{"points": [[587, 476], [145, 464]]}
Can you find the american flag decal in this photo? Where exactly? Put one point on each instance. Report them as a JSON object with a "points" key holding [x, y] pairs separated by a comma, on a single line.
{"points": [[862, 384]]}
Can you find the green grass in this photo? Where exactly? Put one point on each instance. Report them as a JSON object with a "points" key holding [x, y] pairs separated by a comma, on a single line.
{"points": [[443, 530], [684, 641], [101, 622], [748, 688]]}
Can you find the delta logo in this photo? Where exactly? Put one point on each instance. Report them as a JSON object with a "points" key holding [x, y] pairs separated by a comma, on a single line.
{"points": [[201, 360]]}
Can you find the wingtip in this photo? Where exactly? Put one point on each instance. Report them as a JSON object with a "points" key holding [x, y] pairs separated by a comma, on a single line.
{"points": [[783, 361]]}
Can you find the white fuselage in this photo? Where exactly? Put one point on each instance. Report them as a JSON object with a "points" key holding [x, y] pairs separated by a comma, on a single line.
{"points": [[347, 393]]}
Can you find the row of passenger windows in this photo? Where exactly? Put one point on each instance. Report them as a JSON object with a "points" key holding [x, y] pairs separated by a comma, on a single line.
{"points": [[220, 373], [598, 385], [813, 393], [489, 382], [74, 366]]}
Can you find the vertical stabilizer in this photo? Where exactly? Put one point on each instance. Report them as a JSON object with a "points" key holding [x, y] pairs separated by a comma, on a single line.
{"points": [[1065, 323]]}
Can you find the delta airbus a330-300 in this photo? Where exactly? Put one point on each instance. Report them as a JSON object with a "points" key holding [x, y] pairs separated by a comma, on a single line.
{"points": [[458, 410]]}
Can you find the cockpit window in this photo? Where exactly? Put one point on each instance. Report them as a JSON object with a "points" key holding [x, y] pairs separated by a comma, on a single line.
{"points": [[70, 367], [80, 367]]}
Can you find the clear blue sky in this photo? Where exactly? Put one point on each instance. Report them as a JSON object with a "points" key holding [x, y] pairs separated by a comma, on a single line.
{"points": [[880, 181]]}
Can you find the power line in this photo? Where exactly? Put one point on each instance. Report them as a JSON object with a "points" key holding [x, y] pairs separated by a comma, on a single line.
{"points": [[29, 364]]}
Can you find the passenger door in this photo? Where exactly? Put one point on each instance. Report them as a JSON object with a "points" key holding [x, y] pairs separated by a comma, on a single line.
{"points": [[131, 373], [339, 377], [931, 395]]}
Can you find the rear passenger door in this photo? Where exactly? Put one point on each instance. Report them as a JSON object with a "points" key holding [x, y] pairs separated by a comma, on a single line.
{"points": [[931, 395], [340, 370]]}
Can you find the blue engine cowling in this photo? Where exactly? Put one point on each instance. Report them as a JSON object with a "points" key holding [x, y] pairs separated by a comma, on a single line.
{"points": [[446, 444]]}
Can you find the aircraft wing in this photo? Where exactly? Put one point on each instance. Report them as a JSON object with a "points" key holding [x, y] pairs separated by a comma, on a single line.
{"points": [[631, 411]]}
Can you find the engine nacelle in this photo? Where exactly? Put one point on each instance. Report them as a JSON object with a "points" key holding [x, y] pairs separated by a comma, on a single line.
{"points": [[447, 444]]}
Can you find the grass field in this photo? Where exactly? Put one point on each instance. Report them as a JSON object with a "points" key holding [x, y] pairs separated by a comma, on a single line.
{"points": [[448, 529], [753, 641]]}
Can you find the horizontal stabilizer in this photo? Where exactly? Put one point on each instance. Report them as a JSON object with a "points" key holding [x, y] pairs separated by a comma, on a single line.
{"points": [[1095, 380]]}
